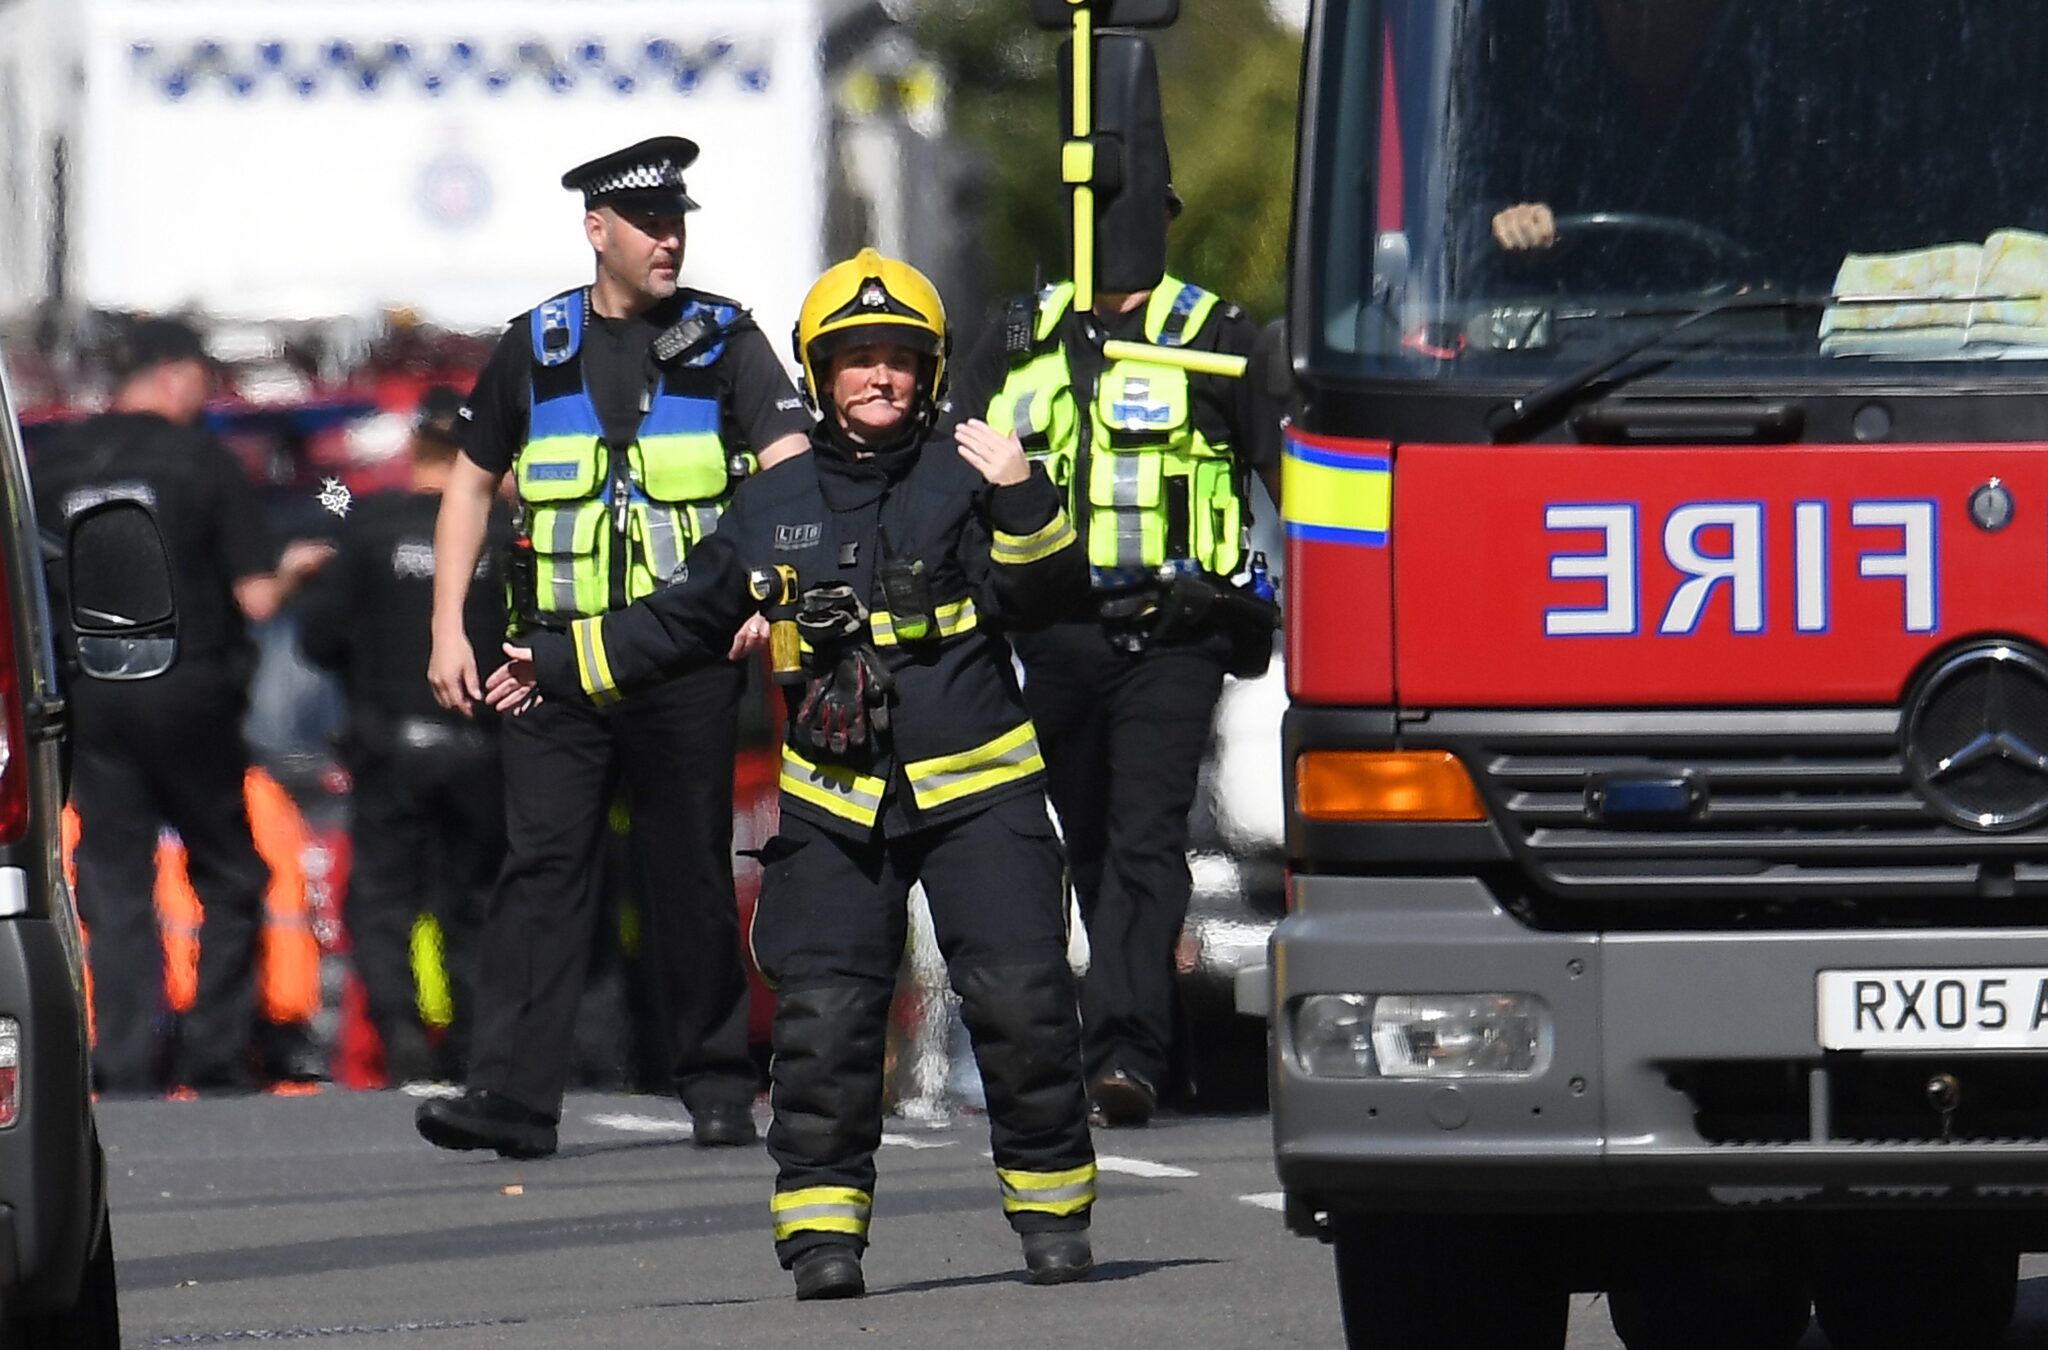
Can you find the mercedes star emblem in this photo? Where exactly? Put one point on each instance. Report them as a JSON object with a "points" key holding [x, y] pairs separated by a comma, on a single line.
{"points": [[1976, 737]]}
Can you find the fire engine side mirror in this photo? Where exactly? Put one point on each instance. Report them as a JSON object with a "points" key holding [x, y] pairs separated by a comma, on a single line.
{"points": [[123, 610], [1059, 14]]}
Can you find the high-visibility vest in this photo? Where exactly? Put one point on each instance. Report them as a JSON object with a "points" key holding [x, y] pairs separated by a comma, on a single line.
{"points": [[604, 528], [1157, 490]]}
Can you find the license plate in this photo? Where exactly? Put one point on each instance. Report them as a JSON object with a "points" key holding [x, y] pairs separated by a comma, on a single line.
{"points": [[1979, 1009]]}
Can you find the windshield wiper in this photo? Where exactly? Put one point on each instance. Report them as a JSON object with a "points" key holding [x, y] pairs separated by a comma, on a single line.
{"points": [[1534, 406]]}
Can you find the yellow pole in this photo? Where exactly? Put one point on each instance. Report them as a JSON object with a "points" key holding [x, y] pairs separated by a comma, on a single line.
{"points": [[1084, 127], [1202, 363]]}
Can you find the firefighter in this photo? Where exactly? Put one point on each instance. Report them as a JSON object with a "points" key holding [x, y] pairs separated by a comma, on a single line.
{"points": [[1156, 463], [428, 817], [901, 564], [625, 412]]}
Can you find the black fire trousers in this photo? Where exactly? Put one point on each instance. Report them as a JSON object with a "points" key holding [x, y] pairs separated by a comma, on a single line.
{"points": [[428, 837], [671, 747], [168, 751], [1123, 737], [830, 932]]}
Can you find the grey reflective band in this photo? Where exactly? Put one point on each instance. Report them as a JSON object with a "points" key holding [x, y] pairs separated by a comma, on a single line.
{"points": [[801, 1214], [562, 561], [705, 519], [1021, 422], [1130, 539], [664, 549], [1127, 476], [1048, 1195]]}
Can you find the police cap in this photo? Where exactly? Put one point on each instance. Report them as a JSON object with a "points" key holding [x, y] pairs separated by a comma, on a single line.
{"points": [[439, 414], [149, 343], [643, 177]]}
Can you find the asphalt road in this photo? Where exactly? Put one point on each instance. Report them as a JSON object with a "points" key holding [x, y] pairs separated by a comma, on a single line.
{"points": [[324, 1218]]}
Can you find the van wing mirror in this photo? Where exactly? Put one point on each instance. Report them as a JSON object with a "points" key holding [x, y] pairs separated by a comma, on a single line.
{"points": [[1059, 14], [117, 575]]}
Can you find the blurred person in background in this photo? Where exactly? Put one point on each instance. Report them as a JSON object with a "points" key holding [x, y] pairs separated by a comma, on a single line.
{"points": [[170, 750], [625, 412], [1123, 694], [907, 558], [428, 825]]}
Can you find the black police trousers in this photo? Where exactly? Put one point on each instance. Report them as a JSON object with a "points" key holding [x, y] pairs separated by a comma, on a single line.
{"points": [[671, 746], [145, 755], [830, 932], [1123, 737], [428, 837]]}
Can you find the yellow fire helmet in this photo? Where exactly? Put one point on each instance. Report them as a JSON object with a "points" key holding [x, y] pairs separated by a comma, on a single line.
{"points": [[870, 298]]}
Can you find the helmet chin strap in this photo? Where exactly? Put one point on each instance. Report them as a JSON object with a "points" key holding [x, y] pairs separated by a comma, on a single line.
{"points": [[908, 432]]}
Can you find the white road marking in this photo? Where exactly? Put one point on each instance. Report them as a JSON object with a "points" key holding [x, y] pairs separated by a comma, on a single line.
{"points": [[430, 1089], [1140, 1167], [1265, 1200], [906, 1141], [640, 1124]]}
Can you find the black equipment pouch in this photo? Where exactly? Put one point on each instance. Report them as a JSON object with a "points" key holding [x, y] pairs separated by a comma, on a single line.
{"points": [[907, 590], [1196, 604]]}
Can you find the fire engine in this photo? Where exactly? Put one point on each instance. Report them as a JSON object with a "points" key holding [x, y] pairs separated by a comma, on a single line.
{"points": [[1667, 758]]}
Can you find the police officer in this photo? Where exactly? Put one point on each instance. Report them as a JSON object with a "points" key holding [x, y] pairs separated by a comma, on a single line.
{"points": [[171, 750], [909, 757], [428, 813], [625, 412], [1157, 463]]}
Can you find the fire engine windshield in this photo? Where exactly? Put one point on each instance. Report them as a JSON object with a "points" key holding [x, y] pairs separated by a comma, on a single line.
{"points": [[1516, 186]]}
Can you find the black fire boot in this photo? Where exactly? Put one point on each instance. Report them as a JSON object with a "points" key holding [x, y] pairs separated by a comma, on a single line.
{"points": [[1058, 1258], [829, 1271]]}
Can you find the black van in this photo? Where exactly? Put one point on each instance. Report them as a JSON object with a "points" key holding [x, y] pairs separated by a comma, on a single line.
{"points": [[56, 1245]]}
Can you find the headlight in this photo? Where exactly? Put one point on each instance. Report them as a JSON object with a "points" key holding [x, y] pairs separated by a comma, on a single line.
{"points": [[1423, 1035]]}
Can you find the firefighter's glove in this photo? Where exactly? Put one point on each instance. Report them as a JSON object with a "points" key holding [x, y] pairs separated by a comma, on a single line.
{"points": [[828, 617], [845, 707]]}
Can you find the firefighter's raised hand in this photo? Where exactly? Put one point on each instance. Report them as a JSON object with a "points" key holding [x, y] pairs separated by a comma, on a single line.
{"points": [[999, 458], [1525, 226], [451, 670], [515, 686]]}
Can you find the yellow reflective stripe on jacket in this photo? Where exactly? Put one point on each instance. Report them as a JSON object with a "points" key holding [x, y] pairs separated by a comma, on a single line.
{"points": [[947, 778], [846, 794], [593, 668], [1067, 1192], [1014, 550], [821, 1209], [954, 619]]}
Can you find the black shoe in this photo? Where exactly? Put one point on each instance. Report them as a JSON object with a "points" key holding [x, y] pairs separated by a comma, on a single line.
{"points": [[1058, 1258], [480, 1119], [1121, 1098], [724, 1125], [831, 1271]]}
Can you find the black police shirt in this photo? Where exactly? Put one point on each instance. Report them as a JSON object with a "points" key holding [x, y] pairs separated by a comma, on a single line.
{"points": [[759, 403], [368, 614], [211, 521], [1236, 412]]}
